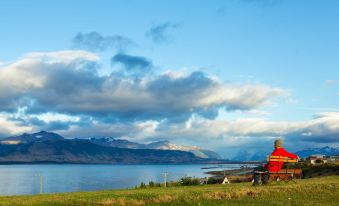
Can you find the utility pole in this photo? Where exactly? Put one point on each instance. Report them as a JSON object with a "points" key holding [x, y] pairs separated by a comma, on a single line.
{"points": [[165, 177]]}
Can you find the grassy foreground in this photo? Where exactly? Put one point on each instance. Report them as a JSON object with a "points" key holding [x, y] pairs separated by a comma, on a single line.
{"points": [[315, 191]]}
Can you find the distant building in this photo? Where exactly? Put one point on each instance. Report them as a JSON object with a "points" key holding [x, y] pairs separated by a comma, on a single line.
{"points": [[316, 159], [333, 159], [322, 159]]}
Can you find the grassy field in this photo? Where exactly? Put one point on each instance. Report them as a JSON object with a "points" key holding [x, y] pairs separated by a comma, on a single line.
{"points": [[315, 191]]}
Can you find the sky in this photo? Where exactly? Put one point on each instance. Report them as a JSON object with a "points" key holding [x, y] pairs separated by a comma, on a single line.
{"points": [[230, 76]]}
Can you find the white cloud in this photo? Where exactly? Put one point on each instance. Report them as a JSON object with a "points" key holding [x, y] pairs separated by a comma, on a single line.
{"points": [[331, 82], [67, 82], [10, 128], [324, 127], [55, 88], [49, 117], [66, 56], [259, 112]]}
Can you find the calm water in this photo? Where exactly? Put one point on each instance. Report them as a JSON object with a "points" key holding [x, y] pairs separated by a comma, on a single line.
{"points": [[25, 179]]}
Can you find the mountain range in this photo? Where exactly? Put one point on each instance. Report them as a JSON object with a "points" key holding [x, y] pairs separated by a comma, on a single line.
{"points": [[47, 147], [328, 151], [261, 155], [159, 145]]}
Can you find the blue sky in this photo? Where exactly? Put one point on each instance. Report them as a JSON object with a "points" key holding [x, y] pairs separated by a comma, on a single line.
{"points": [[254, 70]]}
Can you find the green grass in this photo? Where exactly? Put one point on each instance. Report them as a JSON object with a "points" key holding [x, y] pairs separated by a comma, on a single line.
{"points": [[315, 191]]}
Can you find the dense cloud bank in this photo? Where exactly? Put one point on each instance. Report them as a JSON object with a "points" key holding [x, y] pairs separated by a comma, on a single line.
{"points": [[67, 82], [323, 128], [139, 103]]}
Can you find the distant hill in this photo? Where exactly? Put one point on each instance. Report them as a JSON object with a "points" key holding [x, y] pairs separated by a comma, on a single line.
{"points": [[159, 145], [247, 156], [47, 147], [28, 138], [112, 142], [323, 150]]}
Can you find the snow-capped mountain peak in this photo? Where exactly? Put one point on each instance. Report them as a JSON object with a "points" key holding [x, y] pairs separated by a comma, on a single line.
{"points": [[27, 138], [159, 145]]}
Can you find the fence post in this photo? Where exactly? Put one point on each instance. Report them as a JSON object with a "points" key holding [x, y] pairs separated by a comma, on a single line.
{"points": [[40, 184], [165, 178]]}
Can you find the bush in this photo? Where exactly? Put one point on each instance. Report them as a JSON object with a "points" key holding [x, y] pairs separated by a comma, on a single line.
{"points": [[319, 161], [173, 184], [212, 180], [186, 181], [153, 184], [319, 170], [142, 185], [195, 181]]}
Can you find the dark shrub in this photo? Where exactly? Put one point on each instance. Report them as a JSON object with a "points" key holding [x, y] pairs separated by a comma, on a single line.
{"points": [[142, 185], [154, 184], [151, 184], [189, 181], [186, 181], [195, 181], [173, 184], [212, 180]]}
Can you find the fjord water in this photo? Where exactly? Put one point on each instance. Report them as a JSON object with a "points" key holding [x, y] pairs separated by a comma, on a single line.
{"points": [[25, 179]]}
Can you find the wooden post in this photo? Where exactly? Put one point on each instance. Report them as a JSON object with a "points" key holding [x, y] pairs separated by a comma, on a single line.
{"points": [[40, 184], [165, 178]]}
